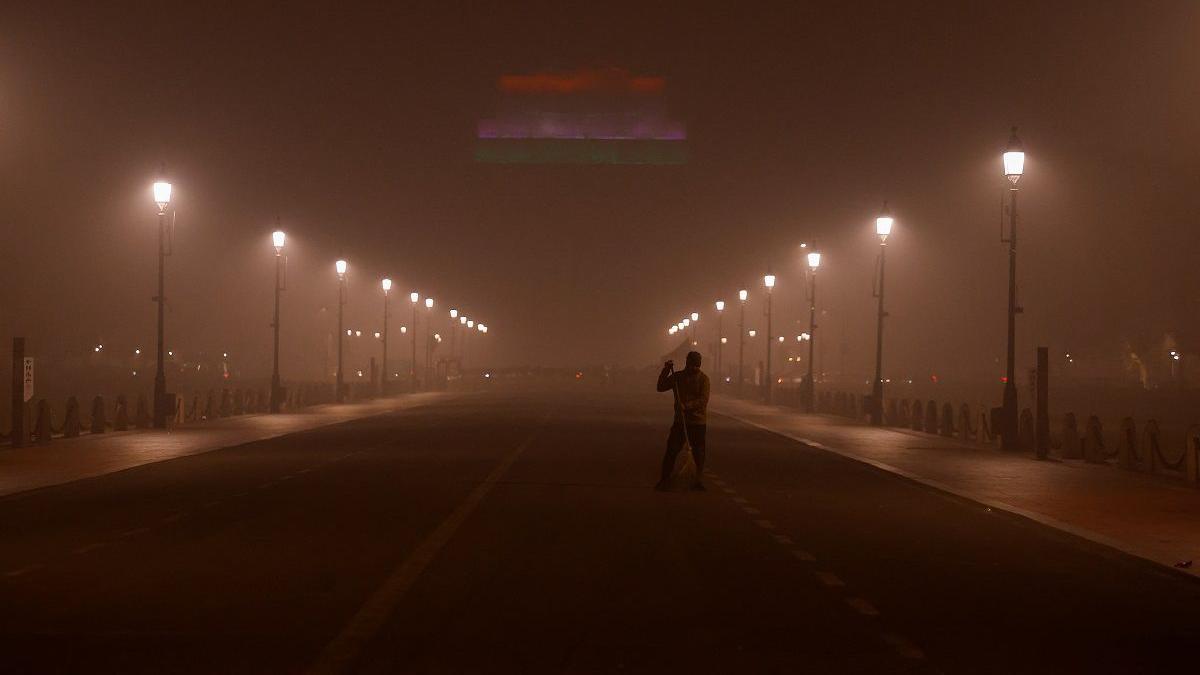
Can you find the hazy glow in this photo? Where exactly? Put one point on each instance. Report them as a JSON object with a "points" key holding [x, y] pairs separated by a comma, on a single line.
{"points": [[387, 284], [883, 226], [428, 303], [687, 322], [672, 330], [340, 268], [470, 323], [769, 281], [1014, 158], [695, 316], [454, 314], [462, 320], [742, 295], [724, 340], [814, 259], [277, 239], [781, 338], [162, 194], [720, 305], [753, 332], [414, 296]]}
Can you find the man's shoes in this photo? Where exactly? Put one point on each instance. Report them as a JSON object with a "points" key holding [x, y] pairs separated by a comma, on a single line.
{"points": [[698, 487]]}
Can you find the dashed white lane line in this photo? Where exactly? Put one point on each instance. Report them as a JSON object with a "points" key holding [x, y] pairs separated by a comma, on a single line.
{"points": [[213, 504], [728, 491], [765, 524], [174, 517], [739, 500], [862, 606], [782, 539], [803, 556], [89, 548], [830, 579], [751, 510], [903, 647], [135, 532], [25, 570]]}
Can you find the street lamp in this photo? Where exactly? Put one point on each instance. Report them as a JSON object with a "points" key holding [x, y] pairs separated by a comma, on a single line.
{"points": [[1014, 166], [769, 283], [453, 332], [277, 240], [415, 297], [742, 296], [162, 198], [883, 228], [720, 305], [814, 262], [428, 342], [386, 283], [340, 268]]}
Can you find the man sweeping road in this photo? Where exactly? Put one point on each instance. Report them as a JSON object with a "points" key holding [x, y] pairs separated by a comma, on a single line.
{"points": [[691, 389]]}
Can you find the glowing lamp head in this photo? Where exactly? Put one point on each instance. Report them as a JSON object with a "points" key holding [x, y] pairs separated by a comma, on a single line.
{"points": [[415, 297], [814, 260], [386, 283], [462, 320], [781, 338], [769, 281], [162, 194], [277, 239], [695, 316], [428, 303], [1014, 158], [686, 322], [454, 314], [752, 332], [884, 222], [470, 323], [672, 330], [724, 340], [340, 267], [720, 305], [742, 295], [481, 328]]}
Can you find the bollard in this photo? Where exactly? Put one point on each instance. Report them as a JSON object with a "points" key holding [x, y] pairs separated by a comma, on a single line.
{"points": [[931, 417], [1127, 457], [179, 414], [916, 415], [239, 402], [891, 414], [1026, 432], [965, 432], [903, 414], [43, 426], [194, 412], [210, 406], [141, 418], [121, 416], [71, 425], [1151, 445], [1071, 443], [1093, 441], [947, 426], [226, 404], [99, 421]]}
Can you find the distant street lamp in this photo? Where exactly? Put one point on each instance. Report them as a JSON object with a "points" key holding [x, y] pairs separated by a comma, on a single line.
{"points": [[814, 261], [883, 228], [340, 268], [428, 342], [453, 332], [386, 283], [415, 297], [1014, 166], [720, 305], [742, 296], [695, 320], [162, 198], [277, 240], [769, 283]]}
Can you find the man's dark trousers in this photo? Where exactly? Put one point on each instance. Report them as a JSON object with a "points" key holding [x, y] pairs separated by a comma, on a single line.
{"points": [[695, 434]]}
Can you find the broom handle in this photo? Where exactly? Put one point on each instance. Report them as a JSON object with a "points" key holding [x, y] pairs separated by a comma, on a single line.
{"points": [[679, 402]]}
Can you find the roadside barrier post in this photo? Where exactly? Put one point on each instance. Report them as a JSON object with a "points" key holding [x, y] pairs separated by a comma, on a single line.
{"points": [[18, 392], [1042, 445]]}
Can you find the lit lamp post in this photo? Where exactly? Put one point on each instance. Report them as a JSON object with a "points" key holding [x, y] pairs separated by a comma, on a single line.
{"points": [[695, 320], [340, 268], [428, 342], [277, 239], [453, 331], [387, 286], [1014, 166], [883, 228], [769, 283], [720, 305], [462, 322], [742, 296], [415, 297], [162, 197], [814, 261]]}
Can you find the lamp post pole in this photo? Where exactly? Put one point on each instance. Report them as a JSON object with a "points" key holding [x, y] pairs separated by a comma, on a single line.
{"points": [[162, 197], [387, 286], [720, 305], [742, 295], [428, 342], [277, 238], [883, 227], [814, 261], [339, 394], [412, 370], [769, 282], [1014, 165]]}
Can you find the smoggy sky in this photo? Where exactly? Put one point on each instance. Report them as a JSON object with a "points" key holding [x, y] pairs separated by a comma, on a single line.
{"points": [[356, 126]]}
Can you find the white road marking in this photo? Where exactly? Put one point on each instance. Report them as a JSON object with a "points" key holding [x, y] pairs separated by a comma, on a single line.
{"points": [[830, 579], [90, 547], [135, 532], [728, 491], [804, 556], [905, 648], [739, 500], [765, 524], [172, 518], [862, 606], [340, 654], [25, 570], [783, 539], [751, 510]]}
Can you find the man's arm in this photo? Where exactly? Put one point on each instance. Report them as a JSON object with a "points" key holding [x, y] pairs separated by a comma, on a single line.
{"points": [[664, 378]]}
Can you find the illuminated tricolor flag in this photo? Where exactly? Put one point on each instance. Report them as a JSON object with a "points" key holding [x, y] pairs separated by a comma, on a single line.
{"points": [[603, 116]]}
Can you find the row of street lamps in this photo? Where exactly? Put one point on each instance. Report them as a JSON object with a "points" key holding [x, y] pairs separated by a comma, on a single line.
{"points": [[162, 190], [1014, 167]]}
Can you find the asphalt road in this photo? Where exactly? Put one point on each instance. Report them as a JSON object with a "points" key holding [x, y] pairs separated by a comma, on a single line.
{"points": [[518, 532]]}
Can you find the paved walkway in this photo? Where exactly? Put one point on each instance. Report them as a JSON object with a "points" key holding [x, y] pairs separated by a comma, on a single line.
{"points": [[1146, 516], [71, 459]]}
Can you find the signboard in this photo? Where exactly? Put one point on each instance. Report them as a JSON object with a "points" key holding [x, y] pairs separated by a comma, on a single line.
{"points": [[27, 377]]}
